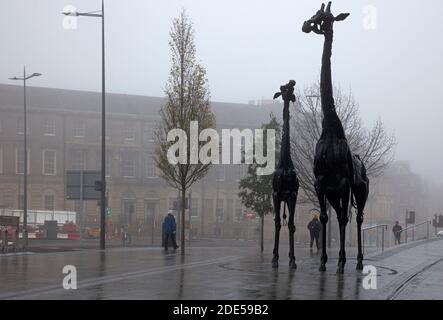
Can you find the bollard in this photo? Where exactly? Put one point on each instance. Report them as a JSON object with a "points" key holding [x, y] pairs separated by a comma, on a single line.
{"points": [[427, 229], [25, 239], [1, 238], [5, 241], [382, 239], [15, 241]]}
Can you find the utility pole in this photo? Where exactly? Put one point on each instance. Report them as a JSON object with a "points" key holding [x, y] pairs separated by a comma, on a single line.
{"points": [[25, 157]]}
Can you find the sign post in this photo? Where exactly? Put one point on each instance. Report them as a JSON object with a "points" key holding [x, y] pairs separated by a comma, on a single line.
{"points": [[82, 185]]}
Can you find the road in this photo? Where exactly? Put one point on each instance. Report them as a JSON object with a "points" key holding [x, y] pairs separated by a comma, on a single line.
{"points": [[226, 270]]}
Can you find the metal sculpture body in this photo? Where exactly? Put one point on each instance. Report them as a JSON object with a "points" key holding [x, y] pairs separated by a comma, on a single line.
{"points": [[333, 162], [285, 183]]}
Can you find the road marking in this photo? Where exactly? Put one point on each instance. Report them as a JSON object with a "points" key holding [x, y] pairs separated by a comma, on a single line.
{"points": [[400, 288], [115, 278]]}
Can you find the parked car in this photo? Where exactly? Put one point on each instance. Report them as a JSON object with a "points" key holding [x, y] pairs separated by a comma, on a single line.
{"points": [[440, 234]]}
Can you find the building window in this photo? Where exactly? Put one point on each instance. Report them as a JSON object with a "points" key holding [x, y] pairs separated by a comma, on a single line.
{"points": [[49, 202], [49, 162], [49, 127], [20, 160], [151, 168], [77, 159], [128, 211], [128, 164], [108, 162], [149, 132], [79, 130], [20, 126], [150, 211], [129, 132], [219, 210], [238, 212], [194, 207]]}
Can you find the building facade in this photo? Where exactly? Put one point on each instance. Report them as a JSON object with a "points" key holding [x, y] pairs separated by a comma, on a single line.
{"points": [[64, 134]]}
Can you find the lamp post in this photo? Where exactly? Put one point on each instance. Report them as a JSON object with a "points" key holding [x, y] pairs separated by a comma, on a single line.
{"points": [[103, 142], [25, 156]]}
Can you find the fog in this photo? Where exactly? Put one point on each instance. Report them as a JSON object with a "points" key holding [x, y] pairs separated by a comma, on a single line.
{"points": [[249, 48]]}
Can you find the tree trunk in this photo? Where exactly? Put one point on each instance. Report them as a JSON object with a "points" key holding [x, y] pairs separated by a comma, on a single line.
{"points": [[183, 207], [262, 218]]}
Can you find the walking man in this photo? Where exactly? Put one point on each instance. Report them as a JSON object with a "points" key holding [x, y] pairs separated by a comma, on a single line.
{"points": [[314, 227], [397, 229], [170, 228]]}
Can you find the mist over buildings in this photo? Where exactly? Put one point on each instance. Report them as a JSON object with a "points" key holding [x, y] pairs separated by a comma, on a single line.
{"points": [[249, 48]]}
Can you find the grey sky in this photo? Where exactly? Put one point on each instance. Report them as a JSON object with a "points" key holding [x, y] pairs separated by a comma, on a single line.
{"points": [[249, 48]]}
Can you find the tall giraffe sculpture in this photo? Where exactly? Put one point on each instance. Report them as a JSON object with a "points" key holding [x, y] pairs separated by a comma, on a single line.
{"points": [[285, 183], [339, 175]]}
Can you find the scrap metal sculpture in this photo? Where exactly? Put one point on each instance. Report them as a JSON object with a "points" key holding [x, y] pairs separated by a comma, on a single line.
{"points": [[285, 183], [337, 171]]}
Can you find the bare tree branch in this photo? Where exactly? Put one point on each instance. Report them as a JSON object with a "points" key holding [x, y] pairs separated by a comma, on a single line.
{"points": [[375, 146]]}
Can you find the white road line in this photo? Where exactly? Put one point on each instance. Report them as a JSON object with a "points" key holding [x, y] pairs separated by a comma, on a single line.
{"points": [[115, 278]]}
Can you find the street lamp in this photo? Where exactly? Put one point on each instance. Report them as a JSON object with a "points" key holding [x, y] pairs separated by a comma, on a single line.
{"points": [[25, 156], [103, 160]]}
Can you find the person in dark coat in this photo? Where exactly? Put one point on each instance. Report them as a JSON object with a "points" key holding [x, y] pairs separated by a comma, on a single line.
{"points": [[397, 229], [169, 229], [314, 227]]}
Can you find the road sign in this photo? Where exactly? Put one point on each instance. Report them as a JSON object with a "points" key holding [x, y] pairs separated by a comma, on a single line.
{"points": [[108, 212], [9, 221], [74, 180], [411, 218]]}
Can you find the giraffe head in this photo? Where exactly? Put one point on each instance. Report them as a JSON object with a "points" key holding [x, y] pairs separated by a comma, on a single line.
{"points": [[286, 91], [322, 22]]}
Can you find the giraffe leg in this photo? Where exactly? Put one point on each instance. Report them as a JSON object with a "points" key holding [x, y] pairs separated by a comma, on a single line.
{"points": [[324, 221], [360, 251], [277, 204], [291, 208], [340, 202]]}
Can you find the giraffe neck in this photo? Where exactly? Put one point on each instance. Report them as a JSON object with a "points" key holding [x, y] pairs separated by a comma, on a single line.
{"points": [[285, 154], [331, 125]]}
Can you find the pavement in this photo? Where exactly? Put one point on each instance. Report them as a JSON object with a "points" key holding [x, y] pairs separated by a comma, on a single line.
{"points": [[222, 270]]}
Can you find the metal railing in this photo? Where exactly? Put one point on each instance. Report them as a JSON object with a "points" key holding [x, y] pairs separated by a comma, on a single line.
{"points": [[383, 226], [413, 227]]}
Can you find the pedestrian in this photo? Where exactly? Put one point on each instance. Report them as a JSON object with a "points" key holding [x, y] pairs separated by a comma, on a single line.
{"points": [[397, 229], [314, 227], [170, 230]]}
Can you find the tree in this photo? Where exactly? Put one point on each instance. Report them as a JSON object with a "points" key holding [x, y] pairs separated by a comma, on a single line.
{"points": [[256, 190], [375, 146], [187, 100]]}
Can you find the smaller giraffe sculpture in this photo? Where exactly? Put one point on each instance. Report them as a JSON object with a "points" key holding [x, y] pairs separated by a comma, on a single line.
{"points": [[285, 183]]}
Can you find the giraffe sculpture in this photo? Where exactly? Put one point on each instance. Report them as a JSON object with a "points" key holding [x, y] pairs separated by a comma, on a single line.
{"points": [[285, 183], [337, 171]]}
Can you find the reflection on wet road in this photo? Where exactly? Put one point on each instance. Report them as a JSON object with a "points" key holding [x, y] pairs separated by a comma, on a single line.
{"points": [[217, 273]]}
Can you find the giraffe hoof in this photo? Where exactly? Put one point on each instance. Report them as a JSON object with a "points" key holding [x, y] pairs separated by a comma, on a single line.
{"points": [[359, 266], [322, 268], [341, 268], [292, 264], [274, 264]]}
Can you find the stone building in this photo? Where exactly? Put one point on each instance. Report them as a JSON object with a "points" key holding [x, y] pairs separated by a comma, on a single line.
{"points": [[64, 134]]}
